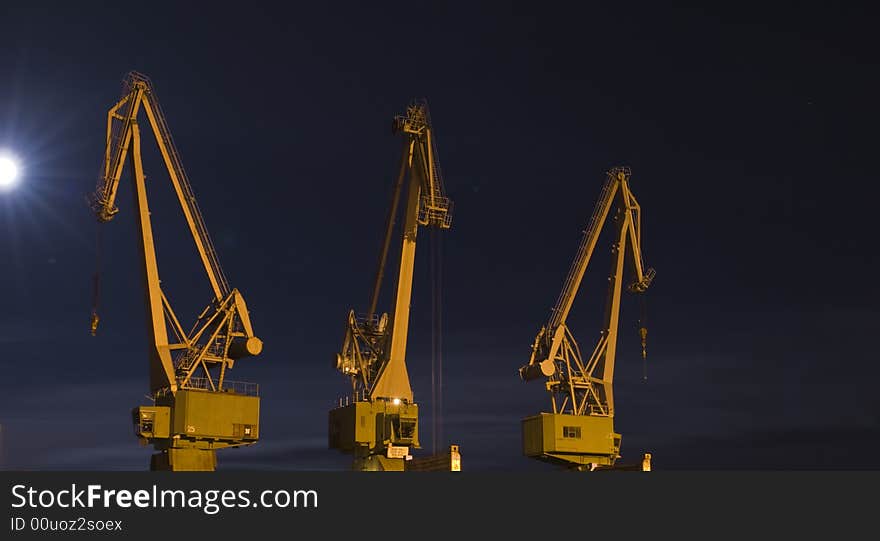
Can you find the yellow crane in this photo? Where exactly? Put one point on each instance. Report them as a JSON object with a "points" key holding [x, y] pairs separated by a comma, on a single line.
{"points": [[378, 422], [579, 432], [196, 409]]}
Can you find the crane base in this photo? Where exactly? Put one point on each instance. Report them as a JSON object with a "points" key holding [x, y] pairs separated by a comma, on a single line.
{"points": [[450, 460], [378, 463], [185, 459]]}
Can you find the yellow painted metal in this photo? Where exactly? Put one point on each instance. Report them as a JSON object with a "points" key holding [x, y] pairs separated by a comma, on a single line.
{"points": [[393, 381], [199, 419], [377, 463], [175, 170], [184, 459], [449, 460], [570, 439], [373, 353], [152, 422], [374, 425], [351, 426], [188, 375], [580, 386], [216, 419], [612, 316], [161, 365]]}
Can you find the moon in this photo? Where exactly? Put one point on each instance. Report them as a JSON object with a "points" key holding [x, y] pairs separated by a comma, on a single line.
{"points": [[8, 172]]}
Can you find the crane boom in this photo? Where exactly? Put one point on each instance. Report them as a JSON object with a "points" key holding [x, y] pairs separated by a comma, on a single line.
{"points": [[119, 131], [192, 414], [373, 353], [581, 388]]}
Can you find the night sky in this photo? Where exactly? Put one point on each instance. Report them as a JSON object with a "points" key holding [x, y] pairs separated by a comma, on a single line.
{"points": [[752, 137]]}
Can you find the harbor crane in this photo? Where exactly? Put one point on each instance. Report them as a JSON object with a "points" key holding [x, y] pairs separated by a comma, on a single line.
{"points": [[196, 409], [379, 422], [579, 433]]}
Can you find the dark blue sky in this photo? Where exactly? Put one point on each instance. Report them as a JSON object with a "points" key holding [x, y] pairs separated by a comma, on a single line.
{"points": [[751, 136]]}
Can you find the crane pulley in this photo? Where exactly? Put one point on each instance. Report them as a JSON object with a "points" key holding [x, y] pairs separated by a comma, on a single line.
{"points": [[580, 431], [197, 409]]}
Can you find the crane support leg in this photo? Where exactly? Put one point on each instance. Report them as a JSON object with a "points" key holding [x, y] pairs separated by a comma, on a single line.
{"points": [[161, 366]]}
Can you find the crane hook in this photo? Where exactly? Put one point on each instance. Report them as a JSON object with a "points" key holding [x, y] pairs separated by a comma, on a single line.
{"points": [[94, 322], [643, 334], [96, 284]]}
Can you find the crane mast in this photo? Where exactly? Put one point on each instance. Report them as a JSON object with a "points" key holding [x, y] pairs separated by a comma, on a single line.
{"points": [[580, 430], [196, 409], [378, 422]]}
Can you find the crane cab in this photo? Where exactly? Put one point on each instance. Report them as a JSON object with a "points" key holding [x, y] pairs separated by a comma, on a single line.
{"points": [[575, 440], [377, 425], [226, 419]]}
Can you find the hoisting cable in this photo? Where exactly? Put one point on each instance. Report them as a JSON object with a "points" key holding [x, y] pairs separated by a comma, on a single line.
{"points": [[440, 339], [436, 341], [433, 271], [96, 283]]}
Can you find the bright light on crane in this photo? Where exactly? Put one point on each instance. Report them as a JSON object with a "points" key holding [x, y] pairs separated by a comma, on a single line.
{"points": [[8, 172]]}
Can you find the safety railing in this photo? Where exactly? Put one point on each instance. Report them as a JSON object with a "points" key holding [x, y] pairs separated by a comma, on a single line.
{"points": [[436, 211], [246, 388]]}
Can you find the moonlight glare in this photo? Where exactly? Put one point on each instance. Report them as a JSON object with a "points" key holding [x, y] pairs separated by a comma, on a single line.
{"points": [[8, 172]]}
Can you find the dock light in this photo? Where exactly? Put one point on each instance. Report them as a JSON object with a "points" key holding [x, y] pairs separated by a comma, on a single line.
{"points": [[8, 172], [396, 401]]}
